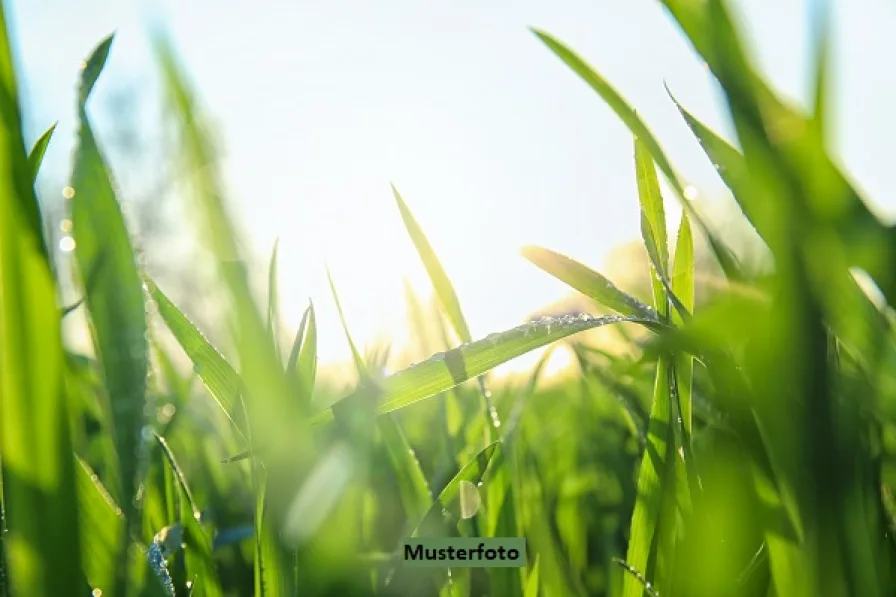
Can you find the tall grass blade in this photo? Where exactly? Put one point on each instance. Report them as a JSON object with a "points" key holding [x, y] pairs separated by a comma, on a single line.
{"points": [[41, 539], [301, 368], [273, 307], [102, 529], [683, 288], [115, 301]]}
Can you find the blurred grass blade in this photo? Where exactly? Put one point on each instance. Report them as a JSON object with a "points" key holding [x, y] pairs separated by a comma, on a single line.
{"points": [[412, 485], [115, 302], [301, 368], [273, 307], [532, 581], [446, 370], [102, 529], [588, 282], [200, 566], [634, 123], [443, 287], [219, 376], [821, 67], [39, 150], [41, 535], [360, 366], [683, 288]]}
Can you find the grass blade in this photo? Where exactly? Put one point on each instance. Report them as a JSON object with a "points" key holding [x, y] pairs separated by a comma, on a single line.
{"points": [[102, 529], [445, 370], [631, 119], [683, 288], [36, 155], [198, 547], [302, 365], [443, 287], [115, 301], [273, 307], [588, 282], [41, 537], [219, 376]]}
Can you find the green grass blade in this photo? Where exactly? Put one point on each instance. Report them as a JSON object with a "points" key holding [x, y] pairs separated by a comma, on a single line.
{"points": [[653, 226], [588, 282], [273, 307], [433, 523], [115, 301], [653, 221], [39, 150], [200, 565], [363, 374], [637, 126], [301, 368], [412, 485], [219, 376], [654, 478], [41, 535], [102, 529], [683, 288], [446, 370], [822, 68], [443, 287], [532, 581]]}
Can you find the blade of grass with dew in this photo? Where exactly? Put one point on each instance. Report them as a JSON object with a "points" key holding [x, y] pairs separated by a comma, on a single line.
{"points": [[301, 368], [273, 306], [656, 475], [630, 118], [102, 529], [587, 281], [219, 376], [39, 150], [115, 302], [41, 535], [445, 293], [446, 370], [197, 545]]}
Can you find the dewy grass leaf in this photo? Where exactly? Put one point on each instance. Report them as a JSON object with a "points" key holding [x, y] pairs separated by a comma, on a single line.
{"points": [[115, 301], [446, 370], [219, 376], [653, 226], [440, 281], [36, 155], [41, 537], [102, 529], [200, 565], [588, 282]]}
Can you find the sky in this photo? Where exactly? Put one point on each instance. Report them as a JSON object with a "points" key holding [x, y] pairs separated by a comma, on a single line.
{"points": [[491, 140]]}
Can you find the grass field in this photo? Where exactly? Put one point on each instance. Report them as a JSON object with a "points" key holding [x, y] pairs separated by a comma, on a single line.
{"points": [[739, 445]]}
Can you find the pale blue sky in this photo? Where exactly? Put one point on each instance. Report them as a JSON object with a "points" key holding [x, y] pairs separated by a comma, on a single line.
{"points": [[493, 142]]}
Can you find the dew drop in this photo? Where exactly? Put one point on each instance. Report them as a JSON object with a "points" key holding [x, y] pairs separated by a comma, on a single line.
{"points": [[66, 244], [690, 193], [65, 225], [68, 192]]}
